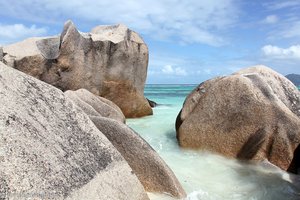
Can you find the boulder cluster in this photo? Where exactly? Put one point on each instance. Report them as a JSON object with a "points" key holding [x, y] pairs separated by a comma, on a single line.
{"points": [[70, 141], [64, 101], [110, 61]]}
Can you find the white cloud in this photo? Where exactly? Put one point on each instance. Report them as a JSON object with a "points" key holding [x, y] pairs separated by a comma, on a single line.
{"points": [[271, 19], [189, 21], [169, 70], [16, 32], [277, 5], [292, 52]]}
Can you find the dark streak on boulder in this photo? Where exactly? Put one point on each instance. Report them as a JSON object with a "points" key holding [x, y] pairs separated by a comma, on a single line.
{"points": [[151, 103]]}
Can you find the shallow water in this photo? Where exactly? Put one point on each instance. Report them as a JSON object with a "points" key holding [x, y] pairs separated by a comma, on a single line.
{"points": [[204, 175]]}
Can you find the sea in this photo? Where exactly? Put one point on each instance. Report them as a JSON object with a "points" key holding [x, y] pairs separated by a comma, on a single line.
{"points": [[204, 175]]}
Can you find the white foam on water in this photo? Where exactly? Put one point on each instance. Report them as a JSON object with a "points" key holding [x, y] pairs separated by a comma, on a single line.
{"points": [[206, 176]]}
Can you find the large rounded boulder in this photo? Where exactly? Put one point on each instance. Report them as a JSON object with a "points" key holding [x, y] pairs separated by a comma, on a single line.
{"points": [[94, 105], [151, 170], [252, 114], [50, 149], [110, 61]]}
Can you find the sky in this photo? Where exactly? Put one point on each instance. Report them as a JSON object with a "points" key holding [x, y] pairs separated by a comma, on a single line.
{"points": [[189, 41]]}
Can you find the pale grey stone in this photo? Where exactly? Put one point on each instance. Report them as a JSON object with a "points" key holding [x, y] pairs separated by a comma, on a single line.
{"points": [[49, 47], [50, 149], [101, 106], [152, 171]]}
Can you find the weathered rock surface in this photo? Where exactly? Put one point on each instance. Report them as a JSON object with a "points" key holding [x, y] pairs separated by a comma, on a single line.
{"points": [[94, 105], [1, 54], [252, 114], [50, 149], [28, 56], [151, 170], [111, 61]]}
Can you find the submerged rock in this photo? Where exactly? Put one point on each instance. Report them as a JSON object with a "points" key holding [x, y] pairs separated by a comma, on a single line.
{"points": [[152, 103], [252, 114], [50, 149], [111, 61]]}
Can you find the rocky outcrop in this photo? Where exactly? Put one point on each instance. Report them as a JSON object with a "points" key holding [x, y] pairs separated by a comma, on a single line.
{"points": [[252, 114], [295, 78], [50, 149], [111, 61], [94, 105], [151, 170]]}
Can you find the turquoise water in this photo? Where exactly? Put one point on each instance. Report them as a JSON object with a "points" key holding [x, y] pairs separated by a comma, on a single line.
{"points": [[204, 175]]}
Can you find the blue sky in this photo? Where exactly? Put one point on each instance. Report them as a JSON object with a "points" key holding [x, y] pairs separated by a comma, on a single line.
{"points": [[189, 40]]}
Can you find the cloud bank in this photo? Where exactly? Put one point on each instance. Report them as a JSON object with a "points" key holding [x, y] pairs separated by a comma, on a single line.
{"points": [[17, 32], [190, 21], [292, 52]]}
